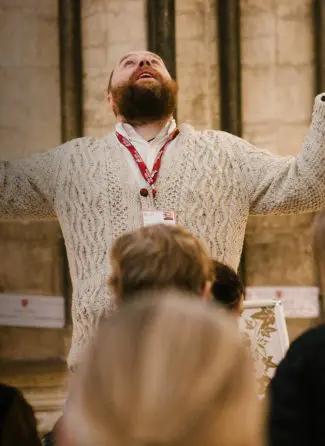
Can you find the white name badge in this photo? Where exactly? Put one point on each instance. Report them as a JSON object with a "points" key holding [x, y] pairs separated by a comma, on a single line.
{"points": [[158, 217]]}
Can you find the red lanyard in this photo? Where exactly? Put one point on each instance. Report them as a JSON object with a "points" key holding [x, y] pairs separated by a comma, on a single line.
{"points": [[150, 178]]}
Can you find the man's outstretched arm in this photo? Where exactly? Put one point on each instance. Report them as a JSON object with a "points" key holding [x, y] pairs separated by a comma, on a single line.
{"points": [[27, 187], [286, 185]]}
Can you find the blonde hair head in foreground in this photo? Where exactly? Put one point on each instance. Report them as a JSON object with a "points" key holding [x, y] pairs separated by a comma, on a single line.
{"points": [[170, 372]]}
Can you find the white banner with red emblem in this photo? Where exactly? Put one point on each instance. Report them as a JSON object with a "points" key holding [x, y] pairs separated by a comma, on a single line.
{"points": [[19, 310], [298, 302]]}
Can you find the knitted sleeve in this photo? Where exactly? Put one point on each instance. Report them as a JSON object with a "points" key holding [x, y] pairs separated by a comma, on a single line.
{"points": [[27, 186], [285, 185]]}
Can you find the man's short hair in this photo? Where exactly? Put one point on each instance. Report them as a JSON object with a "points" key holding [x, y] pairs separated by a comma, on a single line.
{"points": [[159, 257], [227, 288]]}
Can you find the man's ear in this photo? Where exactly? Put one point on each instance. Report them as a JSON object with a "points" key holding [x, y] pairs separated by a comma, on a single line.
{"points": [[206, 291], [110, 100], [111, 103]]}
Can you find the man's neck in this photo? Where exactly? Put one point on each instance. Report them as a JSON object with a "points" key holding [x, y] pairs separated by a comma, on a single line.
{"points": [[150, 130]]}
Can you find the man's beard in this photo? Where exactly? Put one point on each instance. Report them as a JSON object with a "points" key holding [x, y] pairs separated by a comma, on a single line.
{"points": [[145, 102]]}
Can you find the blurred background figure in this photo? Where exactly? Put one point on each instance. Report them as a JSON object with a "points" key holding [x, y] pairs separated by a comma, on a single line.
{"points": [[169, 371], [17, 420]]}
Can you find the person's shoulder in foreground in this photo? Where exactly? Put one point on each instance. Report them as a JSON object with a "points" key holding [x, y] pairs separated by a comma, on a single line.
{"points": [[313, 338], [17, 420], [297, 392]]}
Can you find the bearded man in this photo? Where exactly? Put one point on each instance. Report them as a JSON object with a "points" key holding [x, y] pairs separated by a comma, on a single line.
{"points": [[150, 171]]}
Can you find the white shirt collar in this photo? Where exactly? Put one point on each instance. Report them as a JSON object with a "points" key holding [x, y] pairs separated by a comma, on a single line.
{"points": [[128, 131]]}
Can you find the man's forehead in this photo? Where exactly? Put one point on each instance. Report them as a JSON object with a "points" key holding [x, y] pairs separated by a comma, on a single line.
{"points": [[139, 53]]}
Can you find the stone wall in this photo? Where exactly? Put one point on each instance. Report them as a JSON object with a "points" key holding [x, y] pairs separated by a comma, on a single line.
{"points": [[107, 35], [108, 32], [29, 77], [197, 63], [278, 91], [30, 252]]}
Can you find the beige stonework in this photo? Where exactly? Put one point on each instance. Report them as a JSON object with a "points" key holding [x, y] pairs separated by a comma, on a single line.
{"points": [[197, 63], [277, 71], [32, 263], [278, 92], [30, 252], [109, 30], [29, 77]]}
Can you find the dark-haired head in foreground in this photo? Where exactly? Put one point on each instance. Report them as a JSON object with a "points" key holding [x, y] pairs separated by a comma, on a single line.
{"points": [[227, 288]]}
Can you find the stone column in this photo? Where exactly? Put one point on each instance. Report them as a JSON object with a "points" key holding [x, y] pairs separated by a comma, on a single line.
{"points": [[71, 99], [319, 222], [319, 27], [161, 31], [228, 14], [70, 69]]}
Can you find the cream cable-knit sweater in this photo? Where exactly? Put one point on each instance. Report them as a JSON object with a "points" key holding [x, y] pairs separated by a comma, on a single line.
{"points": [[211, 179]]}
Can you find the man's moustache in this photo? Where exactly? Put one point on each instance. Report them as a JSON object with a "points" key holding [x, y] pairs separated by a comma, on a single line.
{"points": [[139, 72]]}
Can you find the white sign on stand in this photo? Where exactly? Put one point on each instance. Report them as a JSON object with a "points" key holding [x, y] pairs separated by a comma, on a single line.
{"points": [[32, 311], [298, 302]]}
